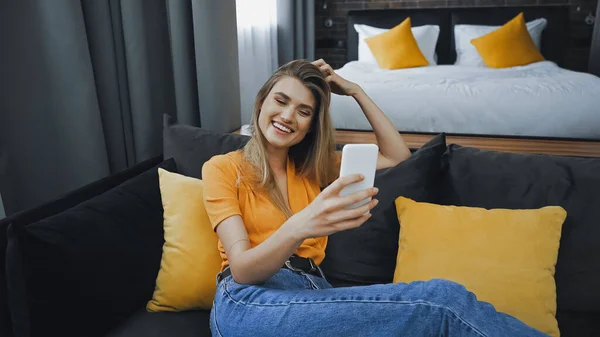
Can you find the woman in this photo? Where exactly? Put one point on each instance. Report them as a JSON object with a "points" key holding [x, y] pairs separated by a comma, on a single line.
{"points": [[272, 220]]}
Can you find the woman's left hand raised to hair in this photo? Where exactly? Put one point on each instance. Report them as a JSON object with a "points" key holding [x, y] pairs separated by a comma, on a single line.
{"points": [[338, 84], [392, 148]]}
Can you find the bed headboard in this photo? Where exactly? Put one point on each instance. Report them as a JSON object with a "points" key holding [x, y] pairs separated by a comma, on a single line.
{"points": [[554, 37]]}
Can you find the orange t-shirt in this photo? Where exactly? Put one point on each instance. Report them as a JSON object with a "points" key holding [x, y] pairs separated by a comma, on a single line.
{"points": [[225, 195]]}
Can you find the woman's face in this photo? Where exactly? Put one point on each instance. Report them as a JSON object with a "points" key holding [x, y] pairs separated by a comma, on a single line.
{"points": [[287, 112]]}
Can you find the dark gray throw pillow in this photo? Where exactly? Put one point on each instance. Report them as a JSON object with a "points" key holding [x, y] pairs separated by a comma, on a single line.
{"points": [[84, 270], [367, 255], [192, 146]]}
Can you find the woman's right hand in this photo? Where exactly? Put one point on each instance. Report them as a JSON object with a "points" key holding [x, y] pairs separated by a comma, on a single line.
{"points": [[326, 214]]}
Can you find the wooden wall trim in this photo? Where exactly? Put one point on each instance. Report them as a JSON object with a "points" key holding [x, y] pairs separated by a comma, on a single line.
{"points": [[519, 145]]}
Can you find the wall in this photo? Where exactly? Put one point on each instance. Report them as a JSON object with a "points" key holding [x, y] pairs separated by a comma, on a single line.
{"points": [[331, 41]]}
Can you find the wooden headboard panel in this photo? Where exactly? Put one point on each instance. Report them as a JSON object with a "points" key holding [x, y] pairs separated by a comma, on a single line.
{"points": [[554, 37]]}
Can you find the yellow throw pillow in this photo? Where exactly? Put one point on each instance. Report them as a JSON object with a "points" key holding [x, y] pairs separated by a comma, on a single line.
{"points": [[505, 257], [397, 48], [508, 46], [190, 260]]}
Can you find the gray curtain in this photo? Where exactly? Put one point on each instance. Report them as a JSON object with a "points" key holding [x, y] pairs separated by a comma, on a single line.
{"points": [[295, 30], [594, 63], [2, 169], [84, 84], [2, 214]]}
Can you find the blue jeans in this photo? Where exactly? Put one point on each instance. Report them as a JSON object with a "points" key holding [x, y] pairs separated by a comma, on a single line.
{"points": [[294, 304]]}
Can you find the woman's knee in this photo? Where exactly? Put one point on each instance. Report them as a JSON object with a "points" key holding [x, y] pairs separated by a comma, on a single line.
{"points": [[450, 293], [444, 285]]}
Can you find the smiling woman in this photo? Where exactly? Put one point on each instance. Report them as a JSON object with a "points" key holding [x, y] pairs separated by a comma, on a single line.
{"points": [[273, 205]]}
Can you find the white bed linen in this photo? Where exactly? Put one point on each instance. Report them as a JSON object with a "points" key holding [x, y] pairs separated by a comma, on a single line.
{"points": [[540, 100]]}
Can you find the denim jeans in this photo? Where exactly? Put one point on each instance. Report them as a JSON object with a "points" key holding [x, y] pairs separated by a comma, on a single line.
{"points": [[295, 304]]}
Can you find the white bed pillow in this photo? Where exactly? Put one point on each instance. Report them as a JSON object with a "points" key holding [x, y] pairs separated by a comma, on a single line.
{"points": [[467, 54], [426, 37]]}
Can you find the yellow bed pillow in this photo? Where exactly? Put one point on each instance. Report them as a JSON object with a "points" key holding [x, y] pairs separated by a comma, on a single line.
{"points": [[397, 48], [508, 46], [190, 260], [505, 257]]}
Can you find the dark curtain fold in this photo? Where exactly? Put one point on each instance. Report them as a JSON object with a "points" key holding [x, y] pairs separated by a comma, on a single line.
{"points": [[106, 47], [181, 29], [295, 30], [594, 66], [85, 84], [217, 69]]}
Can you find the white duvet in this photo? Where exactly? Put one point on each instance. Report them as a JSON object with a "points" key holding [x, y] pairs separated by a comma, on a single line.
{"points": [[539, 99]]}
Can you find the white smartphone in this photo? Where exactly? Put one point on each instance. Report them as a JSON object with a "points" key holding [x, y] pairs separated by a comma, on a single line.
{"points": [[359, 159]]}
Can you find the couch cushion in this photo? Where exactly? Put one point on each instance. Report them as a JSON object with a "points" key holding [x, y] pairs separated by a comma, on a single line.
{"points": [[53, 207], [165, 324], [367, 254], [82, 271], [578, 324], [491, 179], [192, 146]]}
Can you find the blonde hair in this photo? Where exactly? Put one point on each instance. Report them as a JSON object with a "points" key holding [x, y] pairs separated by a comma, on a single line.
{"points": [[313, 155]]}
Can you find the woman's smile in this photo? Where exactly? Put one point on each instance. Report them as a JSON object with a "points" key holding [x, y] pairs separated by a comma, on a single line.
{"points": [[281, 129]]}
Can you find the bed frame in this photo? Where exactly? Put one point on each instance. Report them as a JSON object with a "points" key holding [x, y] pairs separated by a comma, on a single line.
{"points": [[561, 147], [554, 46]]}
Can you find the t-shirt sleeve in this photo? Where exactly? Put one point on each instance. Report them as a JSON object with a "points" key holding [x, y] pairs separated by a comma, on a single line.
{"points": [[220, 176]]}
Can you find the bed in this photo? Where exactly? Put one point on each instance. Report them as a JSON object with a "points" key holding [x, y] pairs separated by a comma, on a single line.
{"points": [[537, 108]]}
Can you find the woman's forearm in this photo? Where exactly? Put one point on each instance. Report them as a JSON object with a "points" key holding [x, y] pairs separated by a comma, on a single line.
{"points": [[390, 142], [258, 264]]}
